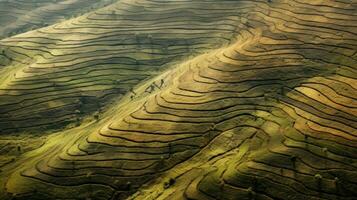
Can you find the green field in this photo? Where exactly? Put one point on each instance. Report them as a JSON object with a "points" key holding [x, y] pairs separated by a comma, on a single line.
{"points": [[178, 99]]}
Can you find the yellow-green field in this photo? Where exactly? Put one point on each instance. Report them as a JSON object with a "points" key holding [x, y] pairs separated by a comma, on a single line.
{"points": [[19, 16], [179, 99]]}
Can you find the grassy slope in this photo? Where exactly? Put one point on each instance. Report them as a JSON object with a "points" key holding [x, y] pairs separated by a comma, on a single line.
{"points": [[76, 67], [266, 112], [21, 16]]}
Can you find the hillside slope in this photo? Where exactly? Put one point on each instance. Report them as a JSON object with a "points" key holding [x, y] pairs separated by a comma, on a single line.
{"points": [[55, 76], [196, 100], [21, 16]]}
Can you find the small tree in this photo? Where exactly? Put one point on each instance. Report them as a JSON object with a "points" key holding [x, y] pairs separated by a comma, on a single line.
{"points": [[266, 97], [281, 92], [169, 183], [96, 116], [336, 182], [128, 186], [161, 162], [78, 121], [318, 179], [251, 193], [293, 161], [306, 139], [161, 82], [132, 91], [150, 89]]}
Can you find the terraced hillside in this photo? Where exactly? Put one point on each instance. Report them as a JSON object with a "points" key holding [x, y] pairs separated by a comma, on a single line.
{"points": [[183, 99], [57, 75], [18, 16]]}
